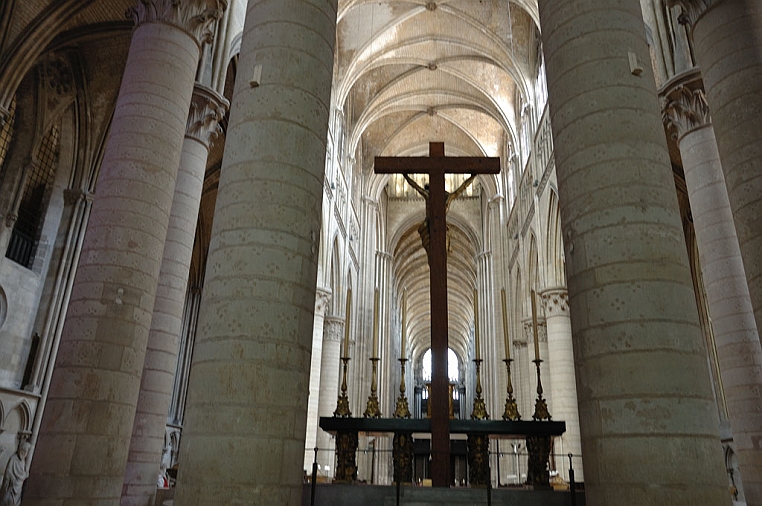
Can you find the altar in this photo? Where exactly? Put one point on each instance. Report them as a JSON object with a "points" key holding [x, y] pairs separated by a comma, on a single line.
{"points": [[537, 435]]}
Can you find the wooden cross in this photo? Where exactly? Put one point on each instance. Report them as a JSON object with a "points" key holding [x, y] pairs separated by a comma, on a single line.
{"points": [[436, 165]]}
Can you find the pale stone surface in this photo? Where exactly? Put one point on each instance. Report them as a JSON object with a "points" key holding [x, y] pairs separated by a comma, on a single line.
{"points": [[637, 343], [333, 333], [735, 332], [207, 109], [244, 432], [91, 404], [563, 386], [322, 299], [727, 40]]}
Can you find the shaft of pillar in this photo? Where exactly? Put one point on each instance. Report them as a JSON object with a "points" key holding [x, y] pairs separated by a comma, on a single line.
{"points": [[329, 384], [563, 385], [643, 386], [244, 432], [157, 383], [85, 432], [729, 52], [736, 338]]}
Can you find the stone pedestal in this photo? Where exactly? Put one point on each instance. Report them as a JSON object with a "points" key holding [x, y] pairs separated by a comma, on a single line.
{"points": [[148, 432], [735, 332], [245, 420], [647, 414], [85, 432]]}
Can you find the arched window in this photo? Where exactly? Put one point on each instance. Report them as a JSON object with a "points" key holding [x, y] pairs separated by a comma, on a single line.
{"points": [[31, 211], [452, 366]]}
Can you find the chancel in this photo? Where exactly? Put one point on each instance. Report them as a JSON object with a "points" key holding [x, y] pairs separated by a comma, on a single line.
{"points": [[285, 252]]}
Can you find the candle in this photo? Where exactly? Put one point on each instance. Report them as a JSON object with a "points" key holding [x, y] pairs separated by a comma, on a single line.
{"points": [[375, 324], [505, 327], [476, 326], [534, 329], [346, 323], [404, 323]]}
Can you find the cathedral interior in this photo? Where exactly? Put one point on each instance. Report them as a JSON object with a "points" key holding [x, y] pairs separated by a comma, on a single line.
{"points": [[195, 236]]}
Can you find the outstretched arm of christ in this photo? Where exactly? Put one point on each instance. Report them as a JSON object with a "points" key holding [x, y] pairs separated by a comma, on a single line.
{"points": [[454, 195], [416, 186]]}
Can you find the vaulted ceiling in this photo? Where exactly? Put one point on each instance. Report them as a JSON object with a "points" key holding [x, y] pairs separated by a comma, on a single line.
{"points": [[416, 71]]}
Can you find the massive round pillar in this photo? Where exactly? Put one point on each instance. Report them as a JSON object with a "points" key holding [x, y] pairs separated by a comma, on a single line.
{"points": [[207, 109], [647, 415], [735, 332], [727, 36], [245, 422], [85, 432]]}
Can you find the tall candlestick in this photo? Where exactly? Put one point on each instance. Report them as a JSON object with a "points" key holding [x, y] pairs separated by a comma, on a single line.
{"points": [[375, 324], [346, 323], [476, 326], [505, 327], [534, 329], [404, 324]]}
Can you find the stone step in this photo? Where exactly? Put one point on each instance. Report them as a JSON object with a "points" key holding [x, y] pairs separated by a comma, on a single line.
{"points": [[373, 495]]}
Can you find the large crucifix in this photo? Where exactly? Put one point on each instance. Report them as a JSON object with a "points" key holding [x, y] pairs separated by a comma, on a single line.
{"points": [[436, 165]]}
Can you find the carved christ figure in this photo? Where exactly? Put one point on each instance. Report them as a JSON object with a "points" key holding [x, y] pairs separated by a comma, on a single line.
{"points": [[423, 229]]}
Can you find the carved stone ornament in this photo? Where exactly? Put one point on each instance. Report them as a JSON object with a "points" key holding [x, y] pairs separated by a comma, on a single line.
{"points": [[556, 302], [692, 9], [333, 329], [196, 17], [322, 299], [684, 110], [207, 109], [74, 195]]}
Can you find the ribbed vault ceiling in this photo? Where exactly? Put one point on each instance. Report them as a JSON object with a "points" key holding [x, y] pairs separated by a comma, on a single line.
{"points": [[413, 72]]}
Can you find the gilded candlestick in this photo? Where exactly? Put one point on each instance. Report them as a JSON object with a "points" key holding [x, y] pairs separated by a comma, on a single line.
{"points": [[511, 409], [342, 404], [540, 406], [372, 410], [403, 410], [480, 409]]}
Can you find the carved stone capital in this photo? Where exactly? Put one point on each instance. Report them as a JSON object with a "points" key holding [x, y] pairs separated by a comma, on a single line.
{"points": [[195, 17], [684, 109], [333, 329], [74, 195], [207, 109], [542, 333], [692, 9], [555, 301], [322, 299]]}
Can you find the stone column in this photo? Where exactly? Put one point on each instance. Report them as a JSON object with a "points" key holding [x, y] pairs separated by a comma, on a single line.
{"points": [[85, 432], [648, 420], [563, 387], [206, 110], [727, 36], [738, 347], [322, 299], [245, 421], [333, 333]]}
